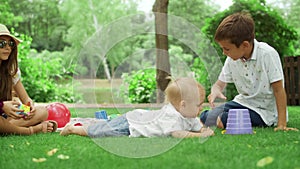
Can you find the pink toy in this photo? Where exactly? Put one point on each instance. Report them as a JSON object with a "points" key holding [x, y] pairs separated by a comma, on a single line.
{"points": [[59, 113]]}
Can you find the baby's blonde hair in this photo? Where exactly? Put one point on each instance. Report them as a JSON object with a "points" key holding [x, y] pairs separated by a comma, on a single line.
{"points": [[183, 89]]}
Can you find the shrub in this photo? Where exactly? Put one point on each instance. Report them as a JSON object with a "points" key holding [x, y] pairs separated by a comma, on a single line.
{"points": [[40, 74], [140, 86]]}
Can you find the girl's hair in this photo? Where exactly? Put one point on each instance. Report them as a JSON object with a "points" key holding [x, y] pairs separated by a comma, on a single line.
{"points": [[183, 89], [8, 69], [236, 28]]}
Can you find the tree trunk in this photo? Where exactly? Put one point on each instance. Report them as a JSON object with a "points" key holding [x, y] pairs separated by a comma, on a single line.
{"points": [[160, 9], [104, 60], [106, 69]]}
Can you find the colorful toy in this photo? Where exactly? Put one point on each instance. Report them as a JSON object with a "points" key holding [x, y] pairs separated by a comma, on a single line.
{"points": [[59, 113], [26, 109]]}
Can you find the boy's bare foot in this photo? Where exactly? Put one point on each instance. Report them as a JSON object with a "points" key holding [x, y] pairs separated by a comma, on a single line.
{"points": [[219, 123]]}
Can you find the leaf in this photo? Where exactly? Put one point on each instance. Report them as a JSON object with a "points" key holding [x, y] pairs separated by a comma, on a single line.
{"points": [[264, 161], [51, 152], [38, 160], [63, 157]]}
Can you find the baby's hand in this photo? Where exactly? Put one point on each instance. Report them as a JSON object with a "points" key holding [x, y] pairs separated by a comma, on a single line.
{"points": [[206, 132]]}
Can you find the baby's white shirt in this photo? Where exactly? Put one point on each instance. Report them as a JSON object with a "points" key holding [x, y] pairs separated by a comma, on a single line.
{"points": [[162, 122]]}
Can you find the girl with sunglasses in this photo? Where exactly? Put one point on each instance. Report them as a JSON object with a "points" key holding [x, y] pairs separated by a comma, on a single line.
{"points": [[12, 120]]}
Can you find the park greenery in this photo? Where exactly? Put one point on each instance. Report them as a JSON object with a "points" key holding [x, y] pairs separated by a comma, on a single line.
{"points": [[55, 35], [220, 151]]}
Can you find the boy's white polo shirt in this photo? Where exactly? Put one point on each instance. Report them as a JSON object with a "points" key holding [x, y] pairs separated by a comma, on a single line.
{"points": [[253, 80]]}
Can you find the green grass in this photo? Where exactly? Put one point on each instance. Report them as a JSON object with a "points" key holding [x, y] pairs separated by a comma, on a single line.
{"points": [[101, 95], [96, 90], [220, 151]]}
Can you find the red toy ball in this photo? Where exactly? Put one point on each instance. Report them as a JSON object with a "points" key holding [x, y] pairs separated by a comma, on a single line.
{"points": [[59, 113]]}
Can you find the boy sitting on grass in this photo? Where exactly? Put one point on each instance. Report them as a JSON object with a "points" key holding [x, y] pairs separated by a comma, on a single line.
{"points": [[178, 118], [256, 71]]}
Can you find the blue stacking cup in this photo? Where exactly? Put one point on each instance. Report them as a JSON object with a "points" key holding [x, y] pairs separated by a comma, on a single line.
{"points": [[101, 114]]}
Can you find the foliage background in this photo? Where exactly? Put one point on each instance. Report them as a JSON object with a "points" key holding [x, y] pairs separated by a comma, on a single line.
{"points": [[55, 32], [41, 74]]}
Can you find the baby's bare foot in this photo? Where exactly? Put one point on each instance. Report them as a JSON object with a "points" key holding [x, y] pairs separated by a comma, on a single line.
{"points": [[67, 130]]}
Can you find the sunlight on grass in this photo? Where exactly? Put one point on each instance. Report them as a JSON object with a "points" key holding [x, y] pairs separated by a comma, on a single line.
{"points": [[136, 147], [220, 151]]}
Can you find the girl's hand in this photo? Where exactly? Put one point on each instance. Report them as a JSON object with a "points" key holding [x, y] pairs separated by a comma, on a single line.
{"points": [[29, 102], [32, 110], [10, 109]]}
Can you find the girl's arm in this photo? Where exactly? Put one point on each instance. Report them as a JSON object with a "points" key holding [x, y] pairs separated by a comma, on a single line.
{"points": [[22, 94], [25, 99]]}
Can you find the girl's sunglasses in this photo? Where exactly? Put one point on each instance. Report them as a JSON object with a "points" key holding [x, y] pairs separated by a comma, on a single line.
{"points": [[9, 43]]}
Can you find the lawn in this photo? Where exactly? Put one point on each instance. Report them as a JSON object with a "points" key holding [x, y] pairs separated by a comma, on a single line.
{"points": [[221, 151], [96, 90]]}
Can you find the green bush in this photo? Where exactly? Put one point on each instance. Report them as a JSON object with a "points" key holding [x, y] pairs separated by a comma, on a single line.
{"points": [[140, 86], [201, 74], [44, 77]]}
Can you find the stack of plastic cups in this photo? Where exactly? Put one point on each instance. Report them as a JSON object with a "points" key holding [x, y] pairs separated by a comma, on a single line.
{"points": [[239, 122]]}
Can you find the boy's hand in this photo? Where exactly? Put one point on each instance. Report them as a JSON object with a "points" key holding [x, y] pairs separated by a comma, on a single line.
{"points": [[212, 96], [284, 128], [216, 92]]}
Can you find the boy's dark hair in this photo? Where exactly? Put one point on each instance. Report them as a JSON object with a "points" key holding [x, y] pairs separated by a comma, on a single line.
{"points": [[236, 28]]}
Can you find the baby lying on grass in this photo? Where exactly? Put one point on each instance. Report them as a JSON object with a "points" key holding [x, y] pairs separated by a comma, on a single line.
{"points": [[178, 118]]}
